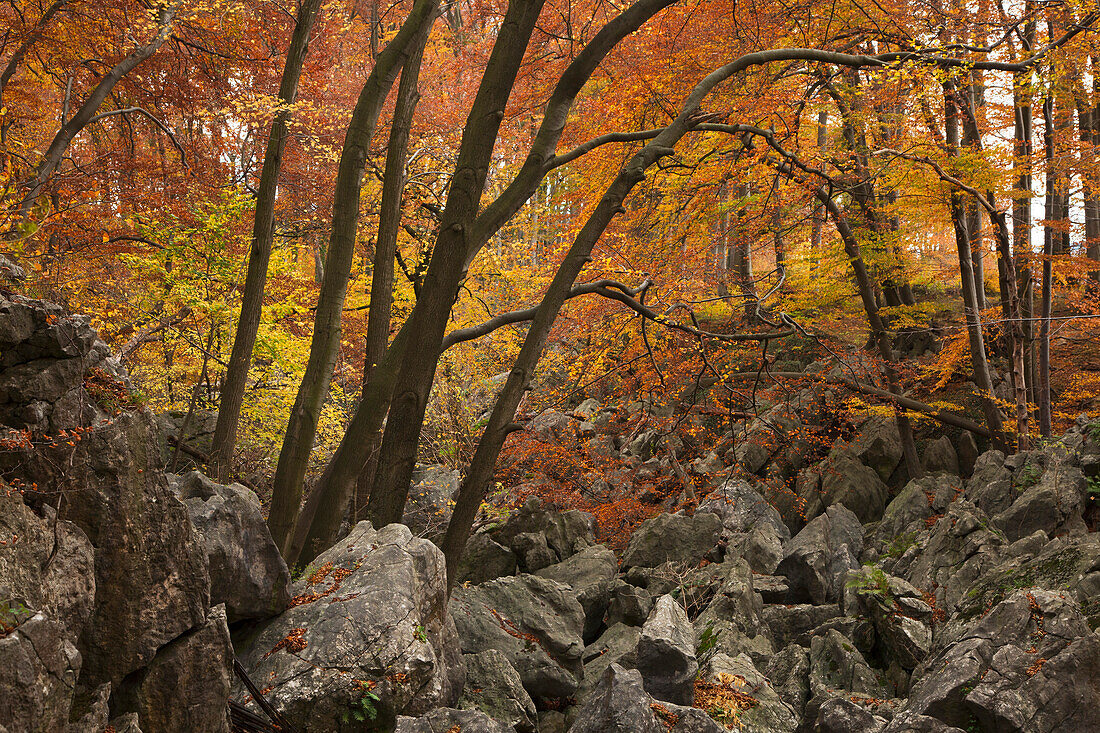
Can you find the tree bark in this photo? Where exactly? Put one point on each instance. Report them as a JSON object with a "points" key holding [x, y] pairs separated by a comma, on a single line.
{"points": [[224, 441], [302, 426], [1042, 396]]}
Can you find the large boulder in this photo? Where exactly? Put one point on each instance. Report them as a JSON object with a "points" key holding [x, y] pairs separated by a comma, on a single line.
{"points": [[877, 445], [151, 579], [1030, 664], [535, 622], [484, 559], [817, 559], [837, 668], [494, 687], [38, 671], [676, 538], [49, 567], [961, 546], [247, 571], [541, 536], [619, 704], [1054, 503], [369, 616], [847, 481], [768, 713], [733, 620], [752, 527], [590, 573], [186, 686], [666, 653]]}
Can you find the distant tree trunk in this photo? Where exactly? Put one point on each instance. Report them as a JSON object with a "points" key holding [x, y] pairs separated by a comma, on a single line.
{"points": [[817, 222], [1088, 122], [1042, 396], [224, 441], [1021, 230], [971, 138], [966, 270], [302, 427], [385, 250], [739, 259], [878, 329]]}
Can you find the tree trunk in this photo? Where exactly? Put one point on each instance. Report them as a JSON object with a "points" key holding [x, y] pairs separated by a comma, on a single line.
{"points": [[302, 426], [428, 320], [338, 479], [1042, 396], [878, 329], [385, 250], [966, 270], [224, 441]]}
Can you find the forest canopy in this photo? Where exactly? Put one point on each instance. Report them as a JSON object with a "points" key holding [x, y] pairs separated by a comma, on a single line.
{"points": [[341, 225]]}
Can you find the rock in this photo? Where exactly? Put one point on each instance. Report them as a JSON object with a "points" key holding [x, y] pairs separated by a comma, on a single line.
{"points": [[769, 714], [247, 572], [532, 552], [940, 455], [618, 644], [672, 538], [551, 426], [564, 533], [536, 623], [666, 653], [619, 704], [840, 715], [590, 574], [898, 612], [837, 665], [906, 722], [372, 610], [186, 686], [1053, 504], [990, 485], [38, 671], [494, 687], [877, 444], [49, 568], [967, 450], [816, 560], [151, 580], [1064, 565], [847, 481], [1030, 664], [905, 514], [788, 673], [587, 409], [628, 604], [484, 559], [733, 621], [428, 509], [94, 713], [961, 547], [753, 527], [794, 623], [444, 720]]}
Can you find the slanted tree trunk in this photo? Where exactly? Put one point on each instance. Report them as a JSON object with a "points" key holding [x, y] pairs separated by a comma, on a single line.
{"points": [[878, 329], [224, 441], [302, 427]]}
